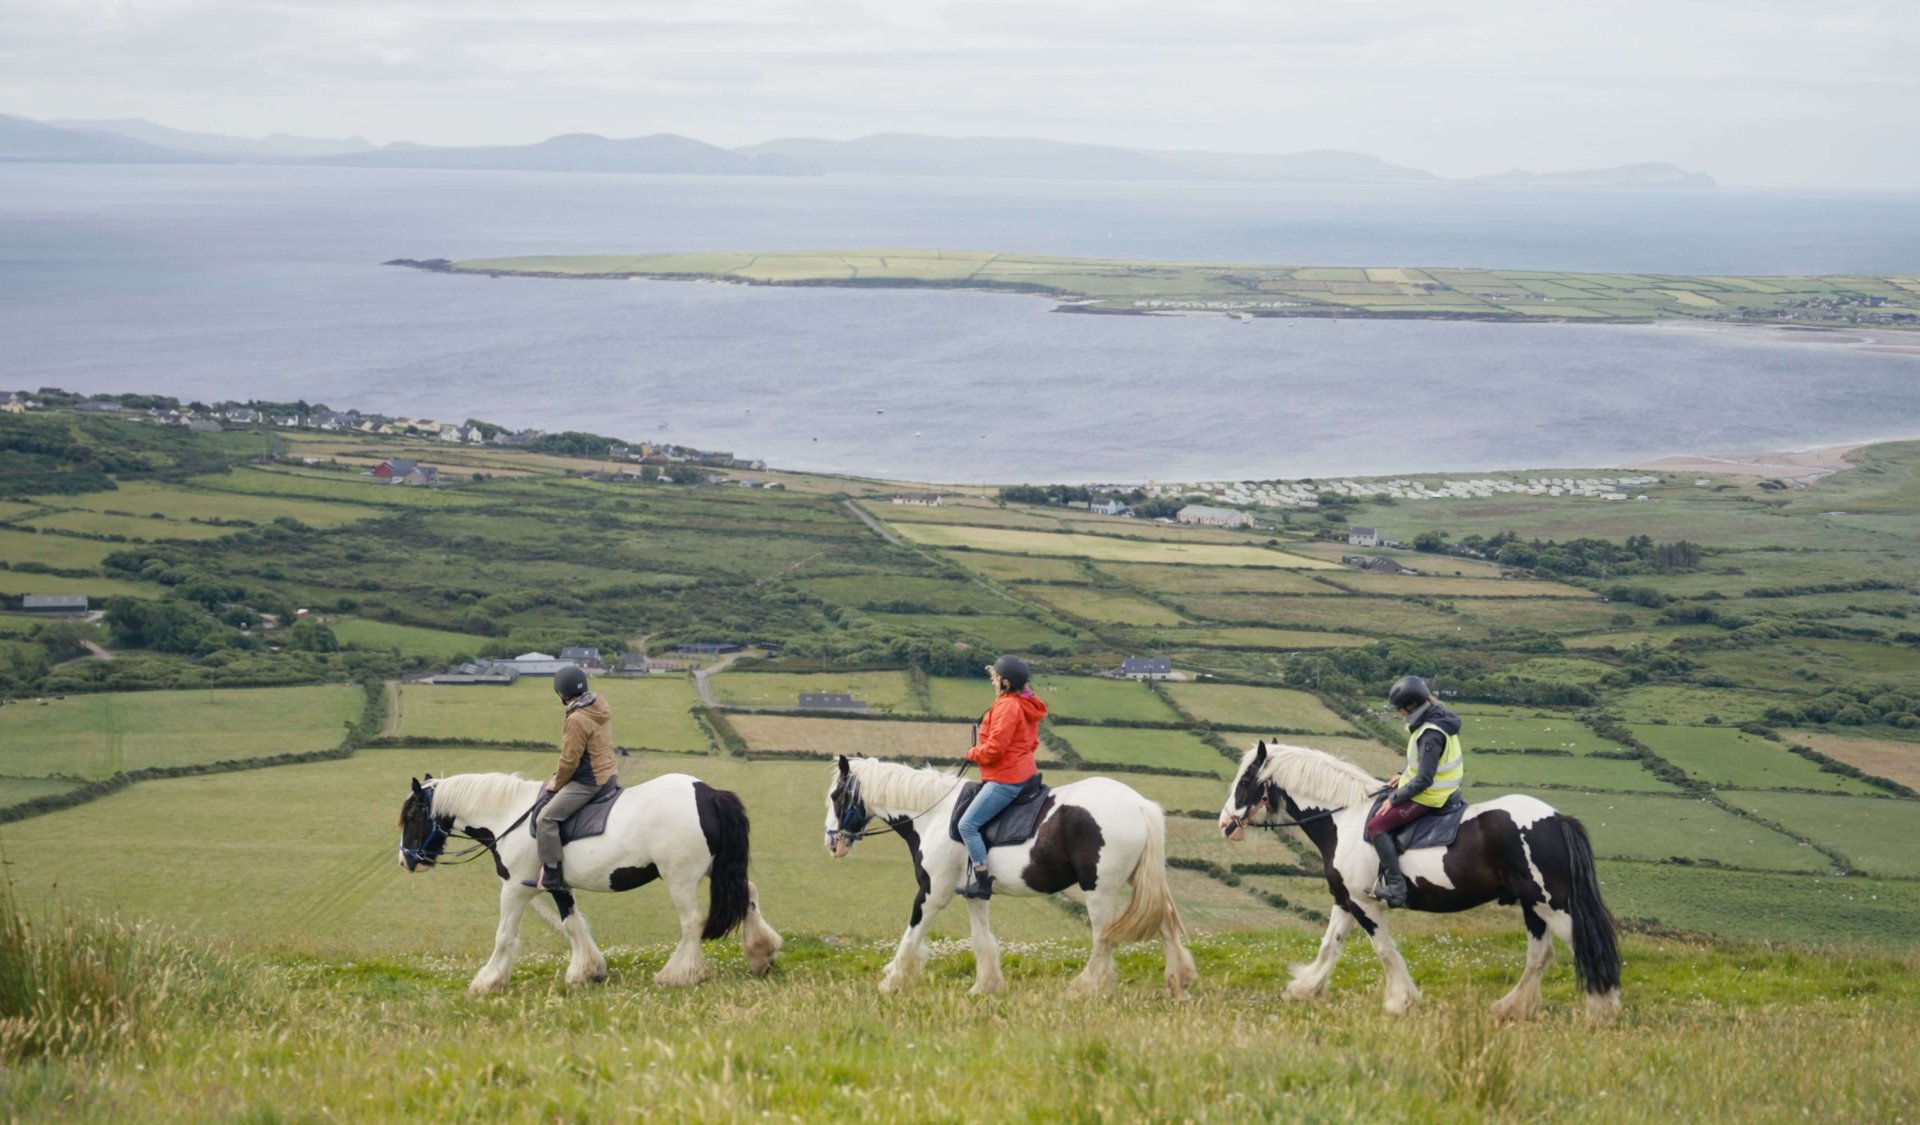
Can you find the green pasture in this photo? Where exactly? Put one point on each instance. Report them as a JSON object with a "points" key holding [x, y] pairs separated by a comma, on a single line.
{"points": [[1544, 615], [15, 790], [1768, 908], [63, 552], [1897, 760], [1255, 637], [1647, 827], [927, 595], [1559, 669], [97, 736], [979, 515], [1514, 728], [1104, 606], [1800, 663], [1691, 703], [1380, 617], [1179, 580], [138, 528], [1001, 632], [348, 489], [650, 712], [1072, 697], [213, 499], [883, 691], [1734, 758], [21, 582], [1167, 748], [18, 624], [874, 738], [1488, 774], [1102, 547], [1251, 708], [412, 640], [1876, 833], [1021, 568], [1442, 586]]}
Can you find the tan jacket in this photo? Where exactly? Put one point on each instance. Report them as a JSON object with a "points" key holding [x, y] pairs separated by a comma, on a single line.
{"points": [[587, 731]]}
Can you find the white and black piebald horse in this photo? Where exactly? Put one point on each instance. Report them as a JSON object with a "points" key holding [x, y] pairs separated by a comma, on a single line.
{"points": [[675, 828], [1097, 834], [1512, 849]]}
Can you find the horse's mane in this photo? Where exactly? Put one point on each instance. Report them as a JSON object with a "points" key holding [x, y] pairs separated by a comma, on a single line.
{"points": [[478, 794], [901, 788], [1325, 779]]}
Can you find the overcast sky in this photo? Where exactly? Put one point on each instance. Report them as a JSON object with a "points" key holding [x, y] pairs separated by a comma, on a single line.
{"points": [[1762, 92]]}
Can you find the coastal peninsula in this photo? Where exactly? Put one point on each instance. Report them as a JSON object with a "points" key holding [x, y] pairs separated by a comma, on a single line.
{"points": [[1145, 288]]}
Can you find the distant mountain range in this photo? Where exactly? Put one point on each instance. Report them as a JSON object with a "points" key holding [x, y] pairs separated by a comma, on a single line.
{"points": [[124, 141]]}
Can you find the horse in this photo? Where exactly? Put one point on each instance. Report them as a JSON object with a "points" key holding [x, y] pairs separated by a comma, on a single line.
{"points": [[674, 828], [1095, 834], [1512, 849]]}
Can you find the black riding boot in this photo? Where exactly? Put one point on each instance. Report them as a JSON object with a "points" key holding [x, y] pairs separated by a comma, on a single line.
{"points": [[981, 887], [1392, 888], [549, 879]]}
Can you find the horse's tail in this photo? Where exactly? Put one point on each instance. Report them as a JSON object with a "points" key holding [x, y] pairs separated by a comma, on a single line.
{"points": [[1596, 955], [1150, 911], [723, 819]]}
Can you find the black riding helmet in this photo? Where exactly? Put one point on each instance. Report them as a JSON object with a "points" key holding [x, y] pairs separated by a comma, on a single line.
{"points": [[569, 682], [1408, 692], [1013, 671]]}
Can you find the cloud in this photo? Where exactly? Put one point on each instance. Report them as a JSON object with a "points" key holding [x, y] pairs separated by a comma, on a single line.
{"points": [[1743, 89]]}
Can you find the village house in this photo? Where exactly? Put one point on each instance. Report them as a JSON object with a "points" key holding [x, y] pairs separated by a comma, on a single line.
{"points": [[242, 416], [1363, 537], [99, 408], [1109, 507], [1144, 668], [588, 658], [830, 701], [922, 499], [55, 605], [1205, 516]]}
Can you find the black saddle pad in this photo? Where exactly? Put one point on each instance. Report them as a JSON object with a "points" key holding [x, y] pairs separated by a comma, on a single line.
{"points": [[1437, 829], [1016, 823], [589, 820]]}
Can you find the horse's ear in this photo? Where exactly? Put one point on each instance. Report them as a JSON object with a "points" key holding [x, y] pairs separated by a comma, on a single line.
{"points": [[843, 765], [429, 777], [1260, 752], [416, 785]]}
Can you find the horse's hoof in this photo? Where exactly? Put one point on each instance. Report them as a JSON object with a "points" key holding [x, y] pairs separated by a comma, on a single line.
{"points": [[1399, 1005], [1603, 1008], [986, 988], [1303, 995], [486, 988]]}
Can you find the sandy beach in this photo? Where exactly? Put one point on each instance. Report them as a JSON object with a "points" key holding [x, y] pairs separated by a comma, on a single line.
{"points": [[1801, 466]]}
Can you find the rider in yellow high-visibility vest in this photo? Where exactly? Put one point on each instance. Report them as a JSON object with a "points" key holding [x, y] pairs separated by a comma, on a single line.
{"points": [[1435, 768]]}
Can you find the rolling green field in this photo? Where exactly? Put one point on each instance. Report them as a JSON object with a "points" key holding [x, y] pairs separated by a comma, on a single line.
{"points": [[1254, 637], [885, 691], [1734, 758], [1105, 606], [1068, 697], [14, 790], [1103, 547], [97, 736], [1506, 728], [1166, 748], [1265, 290], [1874, 833], [648, 713], [1496, 772], [1251, 708], [411, 639]]}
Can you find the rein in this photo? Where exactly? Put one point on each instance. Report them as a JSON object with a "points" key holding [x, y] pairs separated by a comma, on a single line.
{"points": [[1267, 791], [855, 818], [431, 850]]}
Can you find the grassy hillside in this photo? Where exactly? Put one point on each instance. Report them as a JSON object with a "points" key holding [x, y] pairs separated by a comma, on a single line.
{"points": [[1276, 290]]}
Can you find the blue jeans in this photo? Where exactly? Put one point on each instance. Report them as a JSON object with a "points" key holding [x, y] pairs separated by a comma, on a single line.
{"points": [[993, 796]]}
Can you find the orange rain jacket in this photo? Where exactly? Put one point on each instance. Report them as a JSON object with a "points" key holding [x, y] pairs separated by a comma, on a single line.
{"points": [[1008, 737]]}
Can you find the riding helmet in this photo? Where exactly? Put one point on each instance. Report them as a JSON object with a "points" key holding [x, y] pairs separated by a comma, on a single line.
{"points": [[1408, 692], [569, 681], [1013, 671]]}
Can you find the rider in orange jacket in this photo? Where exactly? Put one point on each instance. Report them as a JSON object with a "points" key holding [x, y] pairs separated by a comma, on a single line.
{"points": [[1003, 749]]}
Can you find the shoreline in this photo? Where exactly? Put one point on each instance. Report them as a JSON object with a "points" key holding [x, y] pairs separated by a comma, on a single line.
{"points": [[1796, 466]]}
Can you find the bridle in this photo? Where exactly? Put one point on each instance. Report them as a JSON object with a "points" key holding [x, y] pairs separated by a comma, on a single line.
{"points": [[1269, 797], [854, 817], [431, 851]]}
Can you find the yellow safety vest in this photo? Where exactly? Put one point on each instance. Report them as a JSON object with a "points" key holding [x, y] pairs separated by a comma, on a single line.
{"points": [[1446, 776]]}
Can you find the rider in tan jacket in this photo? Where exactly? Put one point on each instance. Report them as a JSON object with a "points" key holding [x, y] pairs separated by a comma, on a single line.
{"points": [[586, 765]]}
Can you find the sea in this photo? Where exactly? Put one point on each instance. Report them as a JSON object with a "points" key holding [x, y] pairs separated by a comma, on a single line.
{"points": [[265, 282]]}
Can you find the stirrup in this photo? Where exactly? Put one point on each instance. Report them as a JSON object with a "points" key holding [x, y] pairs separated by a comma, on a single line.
{"points": [[1379, 893], [541, 882]]}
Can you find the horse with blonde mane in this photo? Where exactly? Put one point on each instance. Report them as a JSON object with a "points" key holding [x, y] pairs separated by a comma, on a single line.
{"points": [[675, 828], [1512, 849], [1096, 834]]}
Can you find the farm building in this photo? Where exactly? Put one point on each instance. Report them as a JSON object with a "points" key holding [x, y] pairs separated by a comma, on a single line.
{"points": [[1207, 516], [1384, 566], [707, 648], [394, 468], [55, 605], [1363, 537], [1144, 668], [922, 499], [532, 664], [1110, 507], [830, 701], [588, 658], [99, 407], [490, 675]]}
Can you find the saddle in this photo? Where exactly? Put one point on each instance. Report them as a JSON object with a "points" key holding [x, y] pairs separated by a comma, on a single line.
{"points": [[588, 820], [1436, 829], [1015, 824]]}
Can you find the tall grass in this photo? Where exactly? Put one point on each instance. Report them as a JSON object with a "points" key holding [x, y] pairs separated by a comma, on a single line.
{"points": [[73, 984]]}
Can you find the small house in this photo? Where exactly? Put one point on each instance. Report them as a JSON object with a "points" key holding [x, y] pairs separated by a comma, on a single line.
{"points": [[1363, 537], [99, 407], [394, 468], [1144, 668], [583, 657], [1383, 566], [1206, 516], [918, 499], [1109, 507], [55, 605], [830, 701]]}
